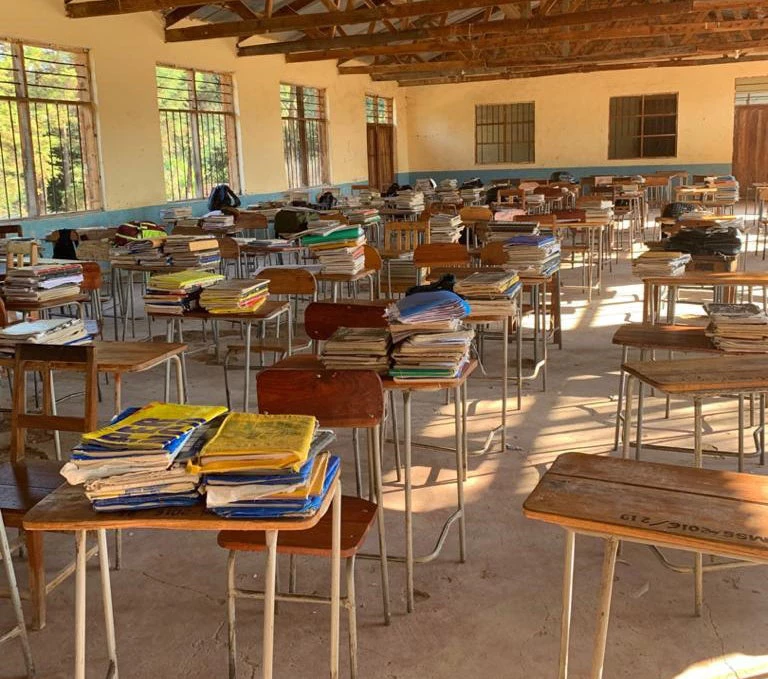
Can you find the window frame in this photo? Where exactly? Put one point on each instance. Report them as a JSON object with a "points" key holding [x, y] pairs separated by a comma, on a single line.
{"points": [[195, 112], [389, 109], [506, 128], [302, 124], [643, 116], [27, 155]]}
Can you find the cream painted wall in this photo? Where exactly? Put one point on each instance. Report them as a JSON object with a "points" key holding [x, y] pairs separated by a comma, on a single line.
{"points": [[572, 116], [124, 51]]}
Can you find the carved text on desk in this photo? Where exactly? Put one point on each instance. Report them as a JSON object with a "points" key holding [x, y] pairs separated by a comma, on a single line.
{"points": [[691, 528]]}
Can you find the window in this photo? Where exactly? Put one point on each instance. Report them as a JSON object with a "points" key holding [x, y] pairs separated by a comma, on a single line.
{"points": [[198, 126], [643, 127], [751, 91], [379, 110], [48, 158], [305, 137], [505, 133]]}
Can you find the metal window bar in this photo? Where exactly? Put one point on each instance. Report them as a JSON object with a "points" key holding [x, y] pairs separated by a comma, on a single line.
{"points": [[505, 133], [643, 126], [305, 135]]}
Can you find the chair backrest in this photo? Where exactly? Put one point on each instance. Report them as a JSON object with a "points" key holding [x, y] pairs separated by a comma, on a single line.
{"points": [[405, 236], [45, 359], [337, 398], [441, 254], [322, 319], [548, 219], [229, 248], [189, 231], [574, 215], [493, 254], [289, 281], [247, 220], [17, 251], [3, 315], [8, 229], [506, 195], [443, 209], [92, 276], [373, 261]]}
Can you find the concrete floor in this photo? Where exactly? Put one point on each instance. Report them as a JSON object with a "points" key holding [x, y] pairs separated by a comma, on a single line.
{"points": [[497, 615]]}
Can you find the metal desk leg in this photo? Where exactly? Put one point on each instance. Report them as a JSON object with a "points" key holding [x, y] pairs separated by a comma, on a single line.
{"points": [[640, 406], [545, 333], [698, 563], [408, 501], [465, 434], [504, 385], [519, 355], [169, 339], [457, 404], [335, 580], [270, 582], [80, 564], [374, 441], [106, 594], [181, 389], [627, 417], [603, 615], [246, 388], [620, 399], [741, 432], [118, 380], [565, 620]]}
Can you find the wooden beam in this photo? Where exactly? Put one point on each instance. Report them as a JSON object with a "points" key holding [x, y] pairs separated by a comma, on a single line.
{"points": [[94, 8], [422, 8], [180, 13], [674, 7], [480, 44]]}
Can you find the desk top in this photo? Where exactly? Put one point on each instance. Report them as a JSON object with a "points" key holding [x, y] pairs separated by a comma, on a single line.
{"points": [[715, 512], [265, 312], [40, 306], [744, 373], [344, 277], [672, 337], [588, 225], [709, 278], [68, 509]]}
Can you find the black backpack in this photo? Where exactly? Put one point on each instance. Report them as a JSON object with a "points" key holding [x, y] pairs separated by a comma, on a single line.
{"points": [[289, 221], [222, 196], [327, 201], [64, 247]]}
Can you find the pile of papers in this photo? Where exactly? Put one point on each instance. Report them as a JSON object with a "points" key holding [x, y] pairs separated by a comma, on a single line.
{"points": [[370, 197], [217, 221], [177, 293], [738, 328], [660, 263], [727, 189], [147, 252], [502, 231], [448, 192], [596, 209], [445, 228], [138, 461], [173, 213], [192, 252], [362, 215], [472, 195], [43, 283], [429, 341], [357, 349], [409, 200], [339, 248], [490, 292], [426, 185], [537, 254], [235, 296], [266, 466], [49, 331]]}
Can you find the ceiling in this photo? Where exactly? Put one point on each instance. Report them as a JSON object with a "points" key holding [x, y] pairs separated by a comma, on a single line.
{"points": [[447, 41]]}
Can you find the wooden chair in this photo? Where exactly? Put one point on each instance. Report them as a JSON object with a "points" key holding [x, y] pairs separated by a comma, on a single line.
{"points": [[338, 399], [251, 221], [24, 482], [440, 255], [91, 291], [231, 257], [10, 229], [400, 237], [17, 252], [374, 263]]}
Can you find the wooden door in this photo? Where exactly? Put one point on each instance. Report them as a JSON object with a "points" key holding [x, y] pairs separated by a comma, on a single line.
{"points": [[381, 155], [750, 145]]}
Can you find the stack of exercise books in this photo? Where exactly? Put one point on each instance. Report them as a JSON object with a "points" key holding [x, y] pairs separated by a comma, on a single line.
{"points": [[472, 195], [538, 254], [362, 216], [370, 197], [738, 328], [596, 208], [177, 293], [266, 466], [339, 248], [501, 231], [217, 221], [426, 185], [147, 252], [235, 296], [68, 331], [408, 199], [43, 283], [490, 292], [192, 252], [660, 263], [174, 213], [445, 228], [448, 192], [358, 349], [429, 340], [139, 460]]}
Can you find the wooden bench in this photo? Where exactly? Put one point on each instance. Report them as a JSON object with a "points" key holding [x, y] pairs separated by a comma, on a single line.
{"points": [[696, 510]]}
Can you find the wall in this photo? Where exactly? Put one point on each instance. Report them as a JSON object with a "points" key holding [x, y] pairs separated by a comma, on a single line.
{"points": [[572, 121], [124, 51]]}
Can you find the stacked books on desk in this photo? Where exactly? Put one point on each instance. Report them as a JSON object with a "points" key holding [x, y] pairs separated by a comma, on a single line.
{"points": [[490, 292], [138, 461], [339, 249], [266, 466], [177, 293], [502, 231], [448, 192], [192, 252], [537, 254], [428, 338], [472, 195], [357, 349], [48, 331], [738, 328], [173, 213], [235, 296], [362, 216], [43, 283], [425, 185], [217, 221], [596, 208], [445, 228], [370, 197], [147, 252], [410, 200], [660, 263]]}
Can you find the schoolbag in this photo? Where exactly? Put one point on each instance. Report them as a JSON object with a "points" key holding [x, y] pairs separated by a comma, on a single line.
{"points": [[131, 231], [562, 177], [474, 183], [674, 210], [64, 247], [327, 201], [289, 221], [222, 196]]}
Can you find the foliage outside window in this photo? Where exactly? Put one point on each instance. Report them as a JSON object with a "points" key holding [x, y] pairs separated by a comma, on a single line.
{"points": [[305, 135]]}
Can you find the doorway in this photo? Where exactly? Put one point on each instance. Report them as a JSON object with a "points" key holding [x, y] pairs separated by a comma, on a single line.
{"points": [[380, 130], [750, 132]]}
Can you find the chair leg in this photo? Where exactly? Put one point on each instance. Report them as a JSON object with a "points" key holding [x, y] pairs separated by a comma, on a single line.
{"points": [[352, 609], [374, 442], [231, 614], [358, 471], [36, 565]]}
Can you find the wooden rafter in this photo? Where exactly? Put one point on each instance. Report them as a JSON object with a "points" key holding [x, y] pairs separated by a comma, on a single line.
{"points": [[93, 8], [179, 14]]}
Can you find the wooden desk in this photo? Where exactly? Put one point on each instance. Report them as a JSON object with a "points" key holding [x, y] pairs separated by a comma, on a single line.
{"points": [[269, 311], [26, 308], [67, 509], [720, 513], [594, 233]]}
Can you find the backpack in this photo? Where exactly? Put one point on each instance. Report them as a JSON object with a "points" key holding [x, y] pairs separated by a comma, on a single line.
{"points": [[474, 183], [562, 177], [222, 196], [64, 247], [327, 201], [674, 210], [131, 231], [392, 190], [289, 221]]}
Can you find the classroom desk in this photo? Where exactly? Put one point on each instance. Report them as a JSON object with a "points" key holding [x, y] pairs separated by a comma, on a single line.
{"points": [[723, 285], [594, 233], [538, 284], [271, 310], [391, 213], [42, 308], [67, 509], [267, 251], [697, 510]]}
